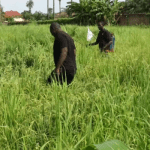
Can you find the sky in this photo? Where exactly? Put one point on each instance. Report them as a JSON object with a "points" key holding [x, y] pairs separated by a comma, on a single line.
{"points": [[39, 5]]}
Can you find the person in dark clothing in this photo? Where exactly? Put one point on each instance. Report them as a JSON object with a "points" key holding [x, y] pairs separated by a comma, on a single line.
{"points": [[104, 38], [64, 52]]}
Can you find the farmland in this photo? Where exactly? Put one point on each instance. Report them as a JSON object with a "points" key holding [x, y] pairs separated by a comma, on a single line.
{"points": [[108, 99]]}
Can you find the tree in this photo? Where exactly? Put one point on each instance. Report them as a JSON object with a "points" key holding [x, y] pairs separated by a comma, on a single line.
{"points": [[0, 13], [39, 16], [50, 10], [137, 6], [30, 4], [89, 11], [2, 18], [26, 15]]}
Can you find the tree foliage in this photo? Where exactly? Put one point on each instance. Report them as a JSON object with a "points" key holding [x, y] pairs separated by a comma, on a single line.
{"points": [[27, 15], [89, 11], [36, 16], [137, 6], [2, 18], [30, 4], [39, 16], [50, 10]]}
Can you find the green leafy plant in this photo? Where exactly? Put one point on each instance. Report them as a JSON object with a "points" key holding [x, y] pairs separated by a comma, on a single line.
{"points": [[109, 145], [86, 12], [10, 19]]}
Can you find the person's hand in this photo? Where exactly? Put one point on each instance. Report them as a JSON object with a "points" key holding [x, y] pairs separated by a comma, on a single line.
{"points": [[88, 45], [104, 48], [57, 71]]}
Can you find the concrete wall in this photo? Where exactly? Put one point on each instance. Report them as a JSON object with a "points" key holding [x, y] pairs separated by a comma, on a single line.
{"points": [[133, 19]]}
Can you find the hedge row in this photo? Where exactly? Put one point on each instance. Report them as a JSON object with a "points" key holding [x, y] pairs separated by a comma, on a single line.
{"points": [[60, 21], [18, 23]]}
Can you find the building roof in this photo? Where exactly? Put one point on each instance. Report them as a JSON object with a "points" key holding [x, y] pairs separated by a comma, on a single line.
{"points": [[11, 13]]}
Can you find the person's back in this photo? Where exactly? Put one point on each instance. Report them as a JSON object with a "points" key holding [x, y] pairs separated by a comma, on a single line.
{"points": [[64, 51], [62, 39]]}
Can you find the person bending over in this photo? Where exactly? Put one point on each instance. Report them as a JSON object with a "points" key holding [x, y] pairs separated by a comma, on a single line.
{"points": [[64, 53], [104, 38]]}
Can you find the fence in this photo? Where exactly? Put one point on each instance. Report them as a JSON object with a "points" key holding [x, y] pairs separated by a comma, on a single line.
{"points": [[133, 19]]}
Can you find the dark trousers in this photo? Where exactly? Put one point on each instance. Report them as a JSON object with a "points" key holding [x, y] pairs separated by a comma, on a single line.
{"points": [[64, 76]]}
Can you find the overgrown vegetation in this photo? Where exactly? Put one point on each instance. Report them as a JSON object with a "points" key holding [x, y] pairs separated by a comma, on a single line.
{"points": [[137, 6], [108, 99], [87, 11]]}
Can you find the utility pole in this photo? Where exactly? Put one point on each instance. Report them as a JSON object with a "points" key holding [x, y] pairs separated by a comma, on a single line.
{"points": [[60, 6], [47, 9]]}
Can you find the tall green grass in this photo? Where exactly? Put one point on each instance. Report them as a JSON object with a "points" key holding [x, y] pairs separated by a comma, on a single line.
{"points": [[108, 99]]}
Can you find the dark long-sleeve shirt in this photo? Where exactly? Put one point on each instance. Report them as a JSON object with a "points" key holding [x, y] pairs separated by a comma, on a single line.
{"points": [[103, 38]]}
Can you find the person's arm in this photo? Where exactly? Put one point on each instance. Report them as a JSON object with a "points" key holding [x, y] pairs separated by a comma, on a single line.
{"points": [[97, 41], [62, 58], [107, 45], [64, 50]]}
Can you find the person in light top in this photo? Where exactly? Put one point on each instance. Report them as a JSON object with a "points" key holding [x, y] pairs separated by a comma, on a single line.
{"points": [[104, 38]]}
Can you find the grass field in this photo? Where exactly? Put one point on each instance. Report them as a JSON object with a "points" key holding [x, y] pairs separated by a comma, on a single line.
{"points": [[108, 99]]}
